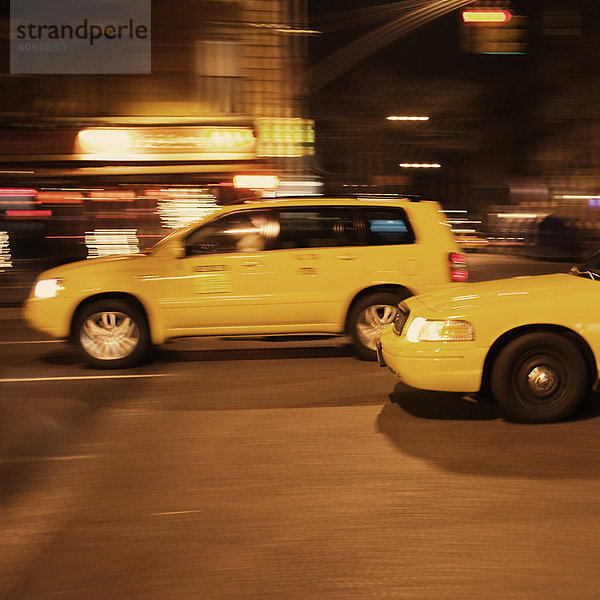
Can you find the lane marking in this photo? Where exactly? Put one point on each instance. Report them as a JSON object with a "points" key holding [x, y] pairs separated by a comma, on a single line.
{"points": [[82, 377], [35, 342], [176, 512], [30, 459]]}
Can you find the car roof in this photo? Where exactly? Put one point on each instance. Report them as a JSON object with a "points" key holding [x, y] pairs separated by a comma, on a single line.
{"points": [[300, 201], [332, 200]]}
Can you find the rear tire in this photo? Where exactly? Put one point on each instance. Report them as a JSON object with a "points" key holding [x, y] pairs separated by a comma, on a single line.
{"points": [[539, 378], [366, 320], [111, 334]]}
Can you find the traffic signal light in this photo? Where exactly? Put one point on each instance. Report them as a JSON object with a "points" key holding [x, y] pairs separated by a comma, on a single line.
{"points": [[493, 31], [486, 16]]}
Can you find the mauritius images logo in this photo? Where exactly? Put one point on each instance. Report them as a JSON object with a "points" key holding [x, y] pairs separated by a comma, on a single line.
{"points": [[80, 36]]}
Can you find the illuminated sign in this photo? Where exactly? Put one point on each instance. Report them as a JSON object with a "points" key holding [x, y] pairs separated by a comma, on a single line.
{"points": [[256, 182], [166, 143], [285, 137]]}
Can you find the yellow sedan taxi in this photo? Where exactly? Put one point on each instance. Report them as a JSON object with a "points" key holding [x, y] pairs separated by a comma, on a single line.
{"points": [[532, 343]]}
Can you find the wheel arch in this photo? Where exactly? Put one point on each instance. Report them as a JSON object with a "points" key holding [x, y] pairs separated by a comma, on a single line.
{"points": [[114, 296], [517, 332], [387, 288]]}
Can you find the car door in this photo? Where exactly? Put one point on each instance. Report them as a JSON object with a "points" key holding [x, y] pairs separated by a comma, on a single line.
{"points": [[391, 252], [221, 285], [316, 266]]}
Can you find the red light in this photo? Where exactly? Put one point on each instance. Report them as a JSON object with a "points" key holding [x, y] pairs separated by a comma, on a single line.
{"points": [[486, 16], [457, 258], [459, 276], [16, 193], [458, 267], [38, 214], [60, 198]]}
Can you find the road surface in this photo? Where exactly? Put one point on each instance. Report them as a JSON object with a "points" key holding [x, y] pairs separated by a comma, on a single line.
{"points": [[245, 469]]}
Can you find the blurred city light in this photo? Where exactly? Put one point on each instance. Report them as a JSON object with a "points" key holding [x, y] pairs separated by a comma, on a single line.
{"points": [[23, 214], [420, 165], [400, 118], [17, 193], [168, 143], [576, 197], [103, 141], [292, 187], [179, 207], [285, 137], [5, 257], [486, 16], [105, 242], [256, 182], [494, 31], [518, 215], [59, 197]]}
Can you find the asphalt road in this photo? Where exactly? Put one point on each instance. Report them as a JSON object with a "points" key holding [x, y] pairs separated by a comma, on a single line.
{"points": [[276, 470]]}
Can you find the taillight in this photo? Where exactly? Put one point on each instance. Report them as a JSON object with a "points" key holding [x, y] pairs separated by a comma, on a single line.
{"points": [[458, 266]]}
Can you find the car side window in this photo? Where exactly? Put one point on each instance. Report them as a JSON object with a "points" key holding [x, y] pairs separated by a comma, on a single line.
{"points": [[387, 226], [238, 232], [316, 227]]}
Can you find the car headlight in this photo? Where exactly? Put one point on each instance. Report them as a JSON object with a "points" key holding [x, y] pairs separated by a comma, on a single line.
{"points": [[48, 288], [449, 330]]}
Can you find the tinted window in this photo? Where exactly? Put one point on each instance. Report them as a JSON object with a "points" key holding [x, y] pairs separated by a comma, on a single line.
{"points": [[387, 226], [315, 227], [238, 232]]}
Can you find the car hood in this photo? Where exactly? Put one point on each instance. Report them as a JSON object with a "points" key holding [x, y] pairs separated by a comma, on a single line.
{"points": [[95, 263], [462, 298]]}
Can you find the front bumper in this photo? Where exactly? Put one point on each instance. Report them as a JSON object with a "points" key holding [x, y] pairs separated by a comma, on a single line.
{"points": [[443, 366], [47, 315]]}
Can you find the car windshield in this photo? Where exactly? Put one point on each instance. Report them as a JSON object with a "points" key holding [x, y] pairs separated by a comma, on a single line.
{"points": [[590, 268], [159, 244]]}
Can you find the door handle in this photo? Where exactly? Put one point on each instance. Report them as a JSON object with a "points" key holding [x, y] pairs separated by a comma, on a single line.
{"points": [[347, 257], [250, 263]]}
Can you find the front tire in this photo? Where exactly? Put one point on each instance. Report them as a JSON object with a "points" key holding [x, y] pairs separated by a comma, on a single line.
{"points": [[366, 320], [111, 334], [539, 378]]}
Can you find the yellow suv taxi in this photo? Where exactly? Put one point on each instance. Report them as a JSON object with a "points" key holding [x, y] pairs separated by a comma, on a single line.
{"points": [[332, 266]]}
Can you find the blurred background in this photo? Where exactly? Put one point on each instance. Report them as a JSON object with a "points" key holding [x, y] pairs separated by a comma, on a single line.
{"points": [[488, 107]]}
